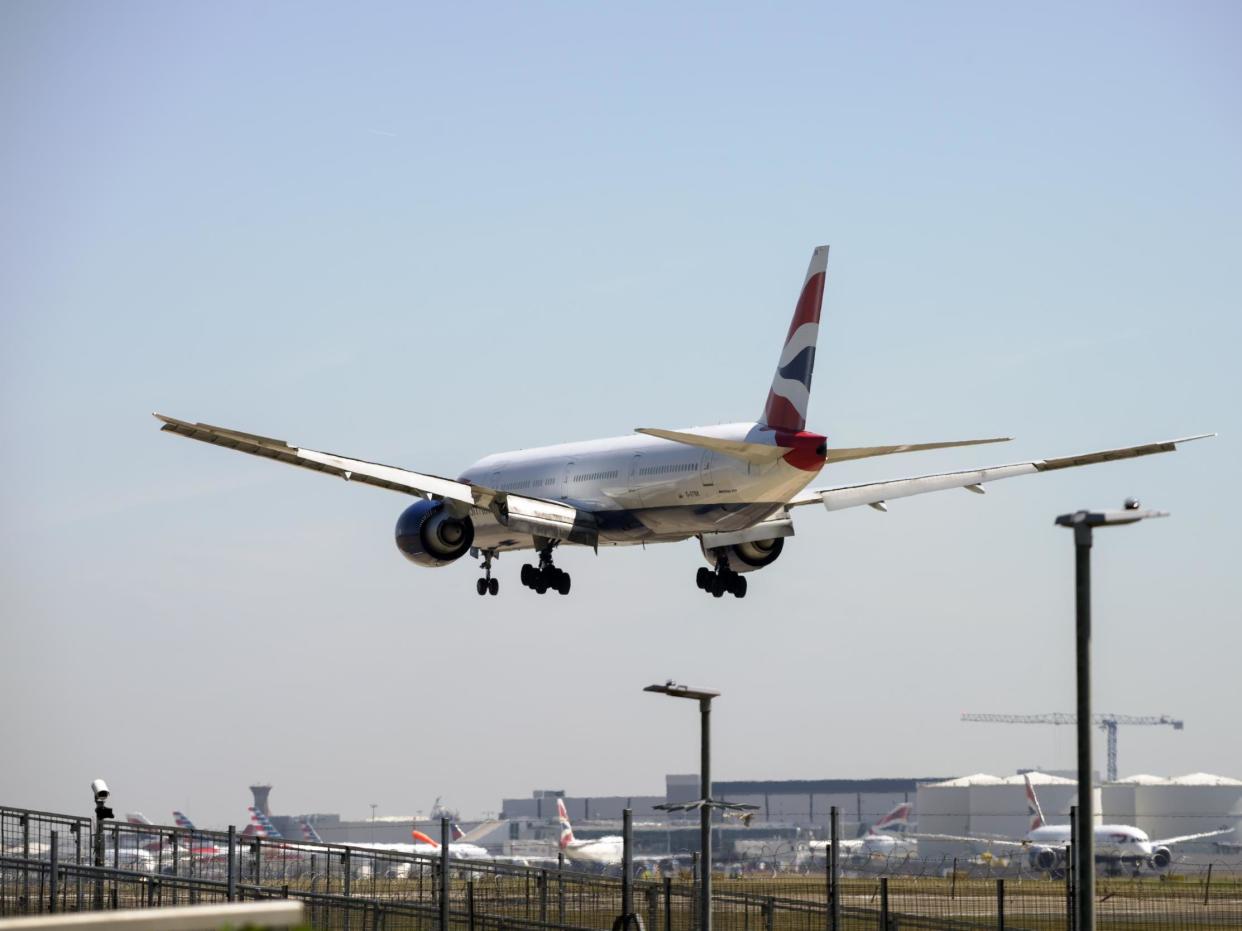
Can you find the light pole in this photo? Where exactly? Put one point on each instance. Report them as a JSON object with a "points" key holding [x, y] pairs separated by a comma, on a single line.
{"points": [[704, 803], [1083, 524]]}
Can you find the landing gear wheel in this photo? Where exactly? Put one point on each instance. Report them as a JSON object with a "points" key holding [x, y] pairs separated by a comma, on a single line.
{"points": [[562, 584], [481, 586], [718, 587], [547, 576], [528, 575], [540, 586], [703, 578], [737, 586], [493, 586]]}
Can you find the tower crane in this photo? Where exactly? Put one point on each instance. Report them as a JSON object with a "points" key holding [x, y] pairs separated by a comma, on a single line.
{"points": [[1105, 722]]}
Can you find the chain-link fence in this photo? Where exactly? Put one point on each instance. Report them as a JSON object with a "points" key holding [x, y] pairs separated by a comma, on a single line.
{"points": [[47, 862]]}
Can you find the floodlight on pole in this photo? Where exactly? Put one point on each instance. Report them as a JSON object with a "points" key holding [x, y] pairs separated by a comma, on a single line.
{"points": [[705, 803], [1083, 523]]}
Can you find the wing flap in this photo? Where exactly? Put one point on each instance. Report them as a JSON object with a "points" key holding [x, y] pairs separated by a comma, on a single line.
{"points": [[876, 493], [1165, 841], [371, 473], [525, 515]]}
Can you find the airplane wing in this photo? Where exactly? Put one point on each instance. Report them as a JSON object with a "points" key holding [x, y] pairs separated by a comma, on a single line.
{"points": [[523, 513], [876, 494], [1166, 841], [966, 839]]}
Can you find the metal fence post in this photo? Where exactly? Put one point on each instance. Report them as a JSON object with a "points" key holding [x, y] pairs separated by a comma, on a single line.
{"points": [[543, 897], [348, 868], [77, 861], [98, 840], [668, 904], [769, 913], [470, 904], [834, 870], [953, 881], [1000, 905], [1207, 887], [256, 866], [653, 906], [54, 882], [627, 866], [560, 888], [883, 903], [25, 822], [231, 885], [445, 838]]}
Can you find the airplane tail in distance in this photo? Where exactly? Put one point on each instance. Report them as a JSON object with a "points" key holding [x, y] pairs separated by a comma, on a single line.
{"points": [[791, 385], [896, 820], [567, 831], [456, 832], [137, 817], [181, 821], [263, 824], [1032, 806], [421, 838], [309, 833]]}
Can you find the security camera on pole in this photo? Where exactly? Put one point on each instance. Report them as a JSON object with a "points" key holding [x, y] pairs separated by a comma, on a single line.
{"points": [[99, 789]]}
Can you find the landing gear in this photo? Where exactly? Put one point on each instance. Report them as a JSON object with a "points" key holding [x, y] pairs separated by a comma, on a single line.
{"points": [[722, 580], [487, 585], [547, 576]]}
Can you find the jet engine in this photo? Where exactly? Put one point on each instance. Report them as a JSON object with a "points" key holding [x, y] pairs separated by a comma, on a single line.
{"points": [[1044, 858], [1161, 857], [746, 557], [428, 535]]}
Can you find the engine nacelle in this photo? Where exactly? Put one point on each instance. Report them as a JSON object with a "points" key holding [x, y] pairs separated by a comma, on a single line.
{"points": [[746, 557], [427, 534], [1044, 858], [1161, 857]]}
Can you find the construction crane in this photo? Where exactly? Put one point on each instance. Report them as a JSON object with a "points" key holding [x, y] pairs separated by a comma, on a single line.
{"points": [[1105, 722]]}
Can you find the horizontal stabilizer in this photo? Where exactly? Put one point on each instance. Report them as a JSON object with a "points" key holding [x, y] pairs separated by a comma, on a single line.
{"points": [[866, 452], [758, 453]]}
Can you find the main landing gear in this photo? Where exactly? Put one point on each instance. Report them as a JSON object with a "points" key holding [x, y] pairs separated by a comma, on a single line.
{"points": [[487, 585], [547, 576], [722, 580]]}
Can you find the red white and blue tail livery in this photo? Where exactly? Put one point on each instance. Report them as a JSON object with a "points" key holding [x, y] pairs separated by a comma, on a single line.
{"points": [[730, 487]]}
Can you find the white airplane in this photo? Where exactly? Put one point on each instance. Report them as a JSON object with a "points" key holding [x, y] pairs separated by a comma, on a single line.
{"points": [[731, 486], [1117, 846], [877, 841], [602, 851]]}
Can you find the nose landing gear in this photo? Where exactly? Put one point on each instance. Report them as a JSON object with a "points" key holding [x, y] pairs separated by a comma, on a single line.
{"points": [[487, 585], [722, 580], [547, 576]]}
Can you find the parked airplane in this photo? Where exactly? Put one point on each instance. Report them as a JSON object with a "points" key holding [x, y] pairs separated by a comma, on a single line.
{"points": [[1117, 846], [877, 841], [603, 851], [730, 486]]}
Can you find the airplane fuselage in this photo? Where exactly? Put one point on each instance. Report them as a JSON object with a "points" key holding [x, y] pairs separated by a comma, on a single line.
{"points": [[641, 488], [1112, 841]]}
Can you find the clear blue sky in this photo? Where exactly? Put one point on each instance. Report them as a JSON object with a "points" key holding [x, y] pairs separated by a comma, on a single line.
{"points": [[419, 234]]}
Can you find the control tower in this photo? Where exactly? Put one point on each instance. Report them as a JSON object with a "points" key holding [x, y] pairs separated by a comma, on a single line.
{"points": [[261, 792]]}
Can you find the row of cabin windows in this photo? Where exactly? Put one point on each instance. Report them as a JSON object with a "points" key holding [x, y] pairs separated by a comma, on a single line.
{"points": [[527, 483], [595, 476], [666, 469]]}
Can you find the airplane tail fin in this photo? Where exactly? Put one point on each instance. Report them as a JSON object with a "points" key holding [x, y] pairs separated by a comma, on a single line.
{"points": [[309, 833], [897, 819], [263, 824], [791, 385], [137, 817], [1032, 805], [456, 832], [422, 838], [567, 831], [181, 821]]}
